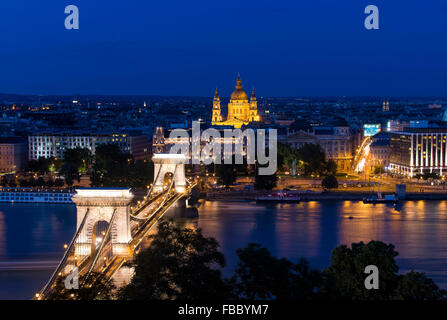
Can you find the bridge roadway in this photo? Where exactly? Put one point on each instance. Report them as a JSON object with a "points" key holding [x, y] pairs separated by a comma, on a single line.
{"points": [[138, 235]]}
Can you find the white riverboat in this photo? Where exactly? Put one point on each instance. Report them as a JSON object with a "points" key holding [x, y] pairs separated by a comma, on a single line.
{"points": [[36, 195]]}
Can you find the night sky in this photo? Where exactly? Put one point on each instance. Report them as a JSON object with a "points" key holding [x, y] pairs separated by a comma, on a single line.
{"points": [[283, 48]]}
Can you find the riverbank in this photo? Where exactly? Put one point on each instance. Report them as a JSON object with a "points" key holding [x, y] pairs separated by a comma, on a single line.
{"points": [[316, 196]]}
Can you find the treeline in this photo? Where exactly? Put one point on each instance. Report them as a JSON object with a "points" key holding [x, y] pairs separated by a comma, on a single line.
{"points": [[309, 160], [183, 264]]}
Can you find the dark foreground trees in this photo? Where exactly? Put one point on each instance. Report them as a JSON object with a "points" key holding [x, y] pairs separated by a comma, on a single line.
{"points": [[344, 279], [183, 264], [179, 264], [259, 275]]}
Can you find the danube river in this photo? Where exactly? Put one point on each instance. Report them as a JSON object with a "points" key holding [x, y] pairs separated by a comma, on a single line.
{"points": [[32, 235]]}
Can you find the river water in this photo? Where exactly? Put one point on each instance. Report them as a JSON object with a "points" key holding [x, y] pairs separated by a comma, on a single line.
{"points": [[32, 235]]}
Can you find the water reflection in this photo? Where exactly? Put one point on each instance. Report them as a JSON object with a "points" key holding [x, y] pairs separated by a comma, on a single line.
{"points": [[312, 229], [31, 244], [308, 229]]}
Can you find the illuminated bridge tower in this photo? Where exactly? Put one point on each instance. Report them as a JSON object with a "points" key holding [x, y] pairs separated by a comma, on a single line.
{"points": [[165, 163], [102, 205]]}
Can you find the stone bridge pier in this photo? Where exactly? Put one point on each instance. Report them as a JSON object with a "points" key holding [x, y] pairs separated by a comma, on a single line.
{"points": [[101, 203], [169, 163]]}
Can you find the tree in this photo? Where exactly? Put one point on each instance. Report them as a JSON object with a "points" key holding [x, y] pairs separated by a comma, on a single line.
{"points": [[331, 167], [313, 159], [141, 173], [345, 275], [113, 168], [179, 264], [55, 165], [58, 182], [32, 166], [40, 166], [50, 183], [79, 158], [226, 174], [23, 183], [32, 182], [40, 182], [344, 279], [259, 275], [416, 286], [286, 156], [265, 182], [110, 166], [70, 173], [330, 182], [93, 287]]}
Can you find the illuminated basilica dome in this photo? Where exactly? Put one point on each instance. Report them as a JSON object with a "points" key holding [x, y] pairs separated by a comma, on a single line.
{"points": [[239, 93], [241, 111]]}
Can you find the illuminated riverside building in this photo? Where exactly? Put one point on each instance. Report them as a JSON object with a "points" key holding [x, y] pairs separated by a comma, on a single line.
{"points": [[418, 150], [379, 154], [335, 138], [163, 140], [54, 145], [241, 111]]}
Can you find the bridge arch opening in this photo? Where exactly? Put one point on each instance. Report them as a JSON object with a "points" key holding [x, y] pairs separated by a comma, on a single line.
{"points": [[98, 233], [167, 179]]}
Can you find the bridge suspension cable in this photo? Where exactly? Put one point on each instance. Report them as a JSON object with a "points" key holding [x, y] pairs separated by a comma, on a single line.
{"points": [[147, 197], [102, 244], [65, 257], [162, 203], [153, 184]]}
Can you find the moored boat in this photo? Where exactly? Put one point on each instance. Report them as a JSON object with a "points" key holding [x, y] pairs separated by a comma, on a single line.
{"points": [[30, 195], [281, 196], [379, 198]]}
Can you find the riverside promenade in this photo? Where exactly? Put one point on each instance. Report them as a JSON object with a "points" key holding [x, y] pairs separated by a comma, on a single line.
{"points": [[237, 195]]}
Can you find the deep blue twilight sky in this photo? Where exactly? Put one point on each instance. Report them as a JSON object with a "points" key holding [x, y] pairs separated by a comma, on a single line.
{"points": [[180, 47]]}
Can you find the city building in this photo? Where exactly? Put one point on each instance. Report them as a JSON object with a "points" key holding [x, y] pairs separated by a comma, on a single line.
{"points": [[418, 150], [54, 145], [379, 154], [241, 111], [13, 154], [335, 139]]}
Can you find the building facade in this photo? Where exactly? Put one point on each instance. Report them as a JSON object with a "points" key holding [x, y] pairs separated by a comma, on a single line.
{"points": [[418, 150], [379, 153], [336, 141], [13, 154], [50, 145]]}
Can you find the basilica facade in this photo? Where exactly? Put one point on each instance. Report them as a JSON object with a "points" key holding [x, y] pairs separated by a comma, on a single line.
{"points": [[241, 110]]}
